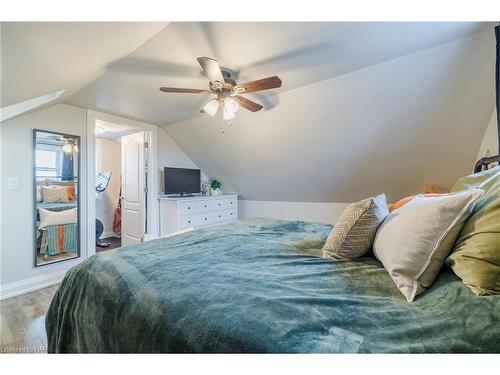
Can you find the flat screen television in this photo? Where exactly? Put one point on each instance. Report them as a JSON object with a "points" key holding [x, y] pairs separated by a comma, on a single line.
{"points": [[181, 180]]}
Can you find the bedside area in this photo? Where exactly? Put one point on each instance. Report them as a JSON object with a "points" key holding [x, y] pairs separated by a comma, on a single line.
{"points": [[178, 213]]}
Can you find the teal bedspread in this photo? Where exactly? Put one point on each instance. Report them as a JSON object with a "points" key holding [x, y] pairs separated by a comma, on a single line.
{"points": [[258, 285]]}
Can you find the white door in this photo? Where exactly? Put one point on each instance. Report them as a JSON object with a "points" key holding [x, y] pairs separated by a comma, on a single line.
{"points": [[133, 192]]}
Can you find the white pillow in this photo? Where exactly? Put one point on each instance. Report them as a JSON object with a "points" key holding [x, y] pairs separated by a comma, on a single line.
{"points": [[38, 194], [414, 240], [54, 194], [49, 218]]}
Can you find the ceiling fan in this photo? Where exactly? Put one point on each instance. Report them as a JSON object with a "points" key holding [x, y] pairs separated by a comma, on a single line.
{"points": [[227, 91]]}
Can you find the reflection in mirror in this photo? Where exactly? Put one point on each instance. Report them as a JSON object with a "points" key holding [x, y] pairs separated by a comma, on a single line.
{"points": [[56, 191]]}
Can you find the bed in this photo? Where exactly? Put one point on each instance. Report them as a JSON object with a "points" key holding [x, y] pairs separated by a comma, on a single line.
{"points": [[259, 286]]}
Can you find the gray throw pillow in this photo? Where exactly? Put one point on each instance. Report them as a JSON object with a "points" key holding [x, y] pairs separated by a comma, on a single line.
{"points": [[414, 240], [353, 234]]}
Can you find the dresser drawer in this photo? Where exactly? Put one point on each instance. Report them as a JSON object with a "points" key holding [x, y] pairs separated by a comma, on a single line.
{"points": [[206, 206], [219, 204], [229, 203], [225, 215], [186, 208], [207, 218], [188, 221]]}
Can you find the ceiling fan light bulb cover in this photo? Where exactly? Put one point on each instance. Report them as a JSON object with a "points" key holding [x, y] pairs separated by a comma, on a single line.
{"points": [[211, 107], [230, 105], [227, 115]]}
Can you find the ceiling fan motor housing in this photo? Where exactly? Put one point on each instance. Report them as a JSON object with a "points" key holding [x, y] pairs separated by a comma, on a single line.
{"points": [[227, 77]]}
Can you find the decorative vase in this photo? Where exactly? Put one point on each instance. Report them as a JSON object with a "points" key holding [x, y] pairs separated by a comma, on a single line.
{"points": [[215, 191]]}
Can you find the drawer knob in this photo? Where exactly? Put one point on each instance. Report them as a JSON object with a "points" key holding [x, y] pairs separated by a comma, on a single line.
{"points": [[205, 206], [219, 215], [230, 202], [219, 204], [205, 218], [189, 221], [189, 207], [231, 214]]}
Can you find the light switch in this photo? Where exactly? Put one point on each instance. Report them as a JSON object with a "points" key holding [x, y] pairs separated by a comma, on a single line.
{"points": [[13, 183]]}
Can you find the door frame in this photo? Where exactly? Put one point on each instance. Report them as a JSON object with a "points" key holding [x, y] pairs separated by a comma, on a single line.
{"points": [[152, 172]]}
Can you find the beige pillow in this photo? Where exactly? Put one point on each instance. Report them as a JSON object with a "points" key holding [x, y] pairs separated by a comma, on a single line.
{"points": [[49, 218], [52, 182], [414, 240], [38, 194], [353, 234], [54, 194]]}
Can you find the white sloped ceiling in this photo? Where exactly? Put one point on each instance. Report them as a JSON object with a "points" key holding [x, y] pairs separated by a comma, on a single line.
{"points": [[39, 58], [390, 127], [301, 53]]}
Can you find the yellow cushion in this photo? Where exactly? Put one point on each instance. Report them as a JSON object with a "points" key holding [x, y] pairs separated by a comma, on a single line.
{"points": [[475, 257]]}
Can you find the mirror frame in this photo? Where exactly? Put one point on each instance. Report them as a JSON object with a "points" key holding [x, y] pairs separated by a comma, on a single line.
{"points": [[78, 204]]}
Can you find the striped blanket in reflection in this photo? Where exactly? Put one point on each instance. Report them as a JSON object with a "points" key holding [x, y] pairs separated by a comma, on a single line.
{"points": [[59, 239]]}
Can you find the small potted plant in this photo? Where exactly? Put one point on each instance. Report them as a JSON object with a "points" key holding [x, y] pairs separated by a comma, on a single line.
{"points": [[215, 187]]}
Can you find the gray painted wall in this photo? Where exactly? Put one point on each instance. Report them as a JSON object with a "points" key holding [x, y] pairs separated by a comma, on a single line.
{"points": [[391, 127], [17, 248]]}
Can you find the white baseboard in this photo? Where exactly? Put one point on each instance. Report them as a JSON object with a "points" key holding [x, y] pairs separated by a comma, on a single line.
{"points": [[108, 234], [25, 286], [319, 212]]}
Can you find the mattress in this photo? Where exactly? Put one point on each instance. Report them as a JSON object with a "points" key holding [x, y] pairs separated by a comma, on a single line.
{"points": [[258, 286]]}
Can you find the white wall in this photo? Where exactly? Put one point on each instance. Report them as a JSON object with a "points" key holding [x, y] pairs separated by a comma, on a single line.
{"points": [[108, 155], [490, 139], [17, 248], [171, 155]]}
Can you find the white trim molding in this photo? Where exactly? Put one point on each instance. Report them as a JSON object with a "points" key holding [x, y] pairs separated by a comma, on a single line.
{"points": [[28, 285]]}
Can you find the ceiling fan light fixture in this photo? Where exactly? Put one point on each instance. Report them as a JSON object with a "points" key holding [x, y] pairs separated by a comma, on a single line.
{"points": [[230, 105], [225, 90], [227, 115], [211, 107]]}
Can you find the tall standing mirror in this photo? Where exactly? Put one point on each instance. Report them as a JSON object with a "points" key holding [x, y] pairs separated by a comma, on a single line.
{"points": [[56, 193]]}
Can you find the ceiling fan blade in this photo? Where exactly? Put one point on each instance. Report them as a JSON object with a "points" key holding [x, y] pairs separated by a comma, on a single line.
{"points": [[248, 104], [262, 84], [211, 68], [185, 91]]}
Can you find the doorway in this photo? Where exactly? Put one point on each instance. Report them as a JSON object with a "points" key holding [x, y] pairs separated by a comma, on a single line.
{"points": [[123, 154]]}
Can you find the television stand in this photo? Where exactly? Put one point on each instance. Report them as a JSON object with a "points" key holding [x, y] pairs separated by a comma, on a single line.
{"points": [[178, 213]]}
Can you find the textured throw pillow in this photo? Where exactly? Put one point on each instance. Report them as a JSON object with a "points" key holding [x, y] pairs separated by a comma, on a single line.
{"points": [[414, 241], [353, 233], [49, 218], [54, 194], [475, 258]]}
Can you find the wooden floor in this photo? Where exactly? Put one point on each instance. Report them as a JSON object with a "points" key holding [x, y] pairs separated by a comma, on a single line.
{"points": [[22, 322], [22, 318], [114, 242]]}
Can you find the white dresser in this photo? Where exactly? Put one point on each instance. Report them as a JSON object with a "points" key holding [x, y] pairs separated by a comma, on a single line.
{"points": [[177, 213]]}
